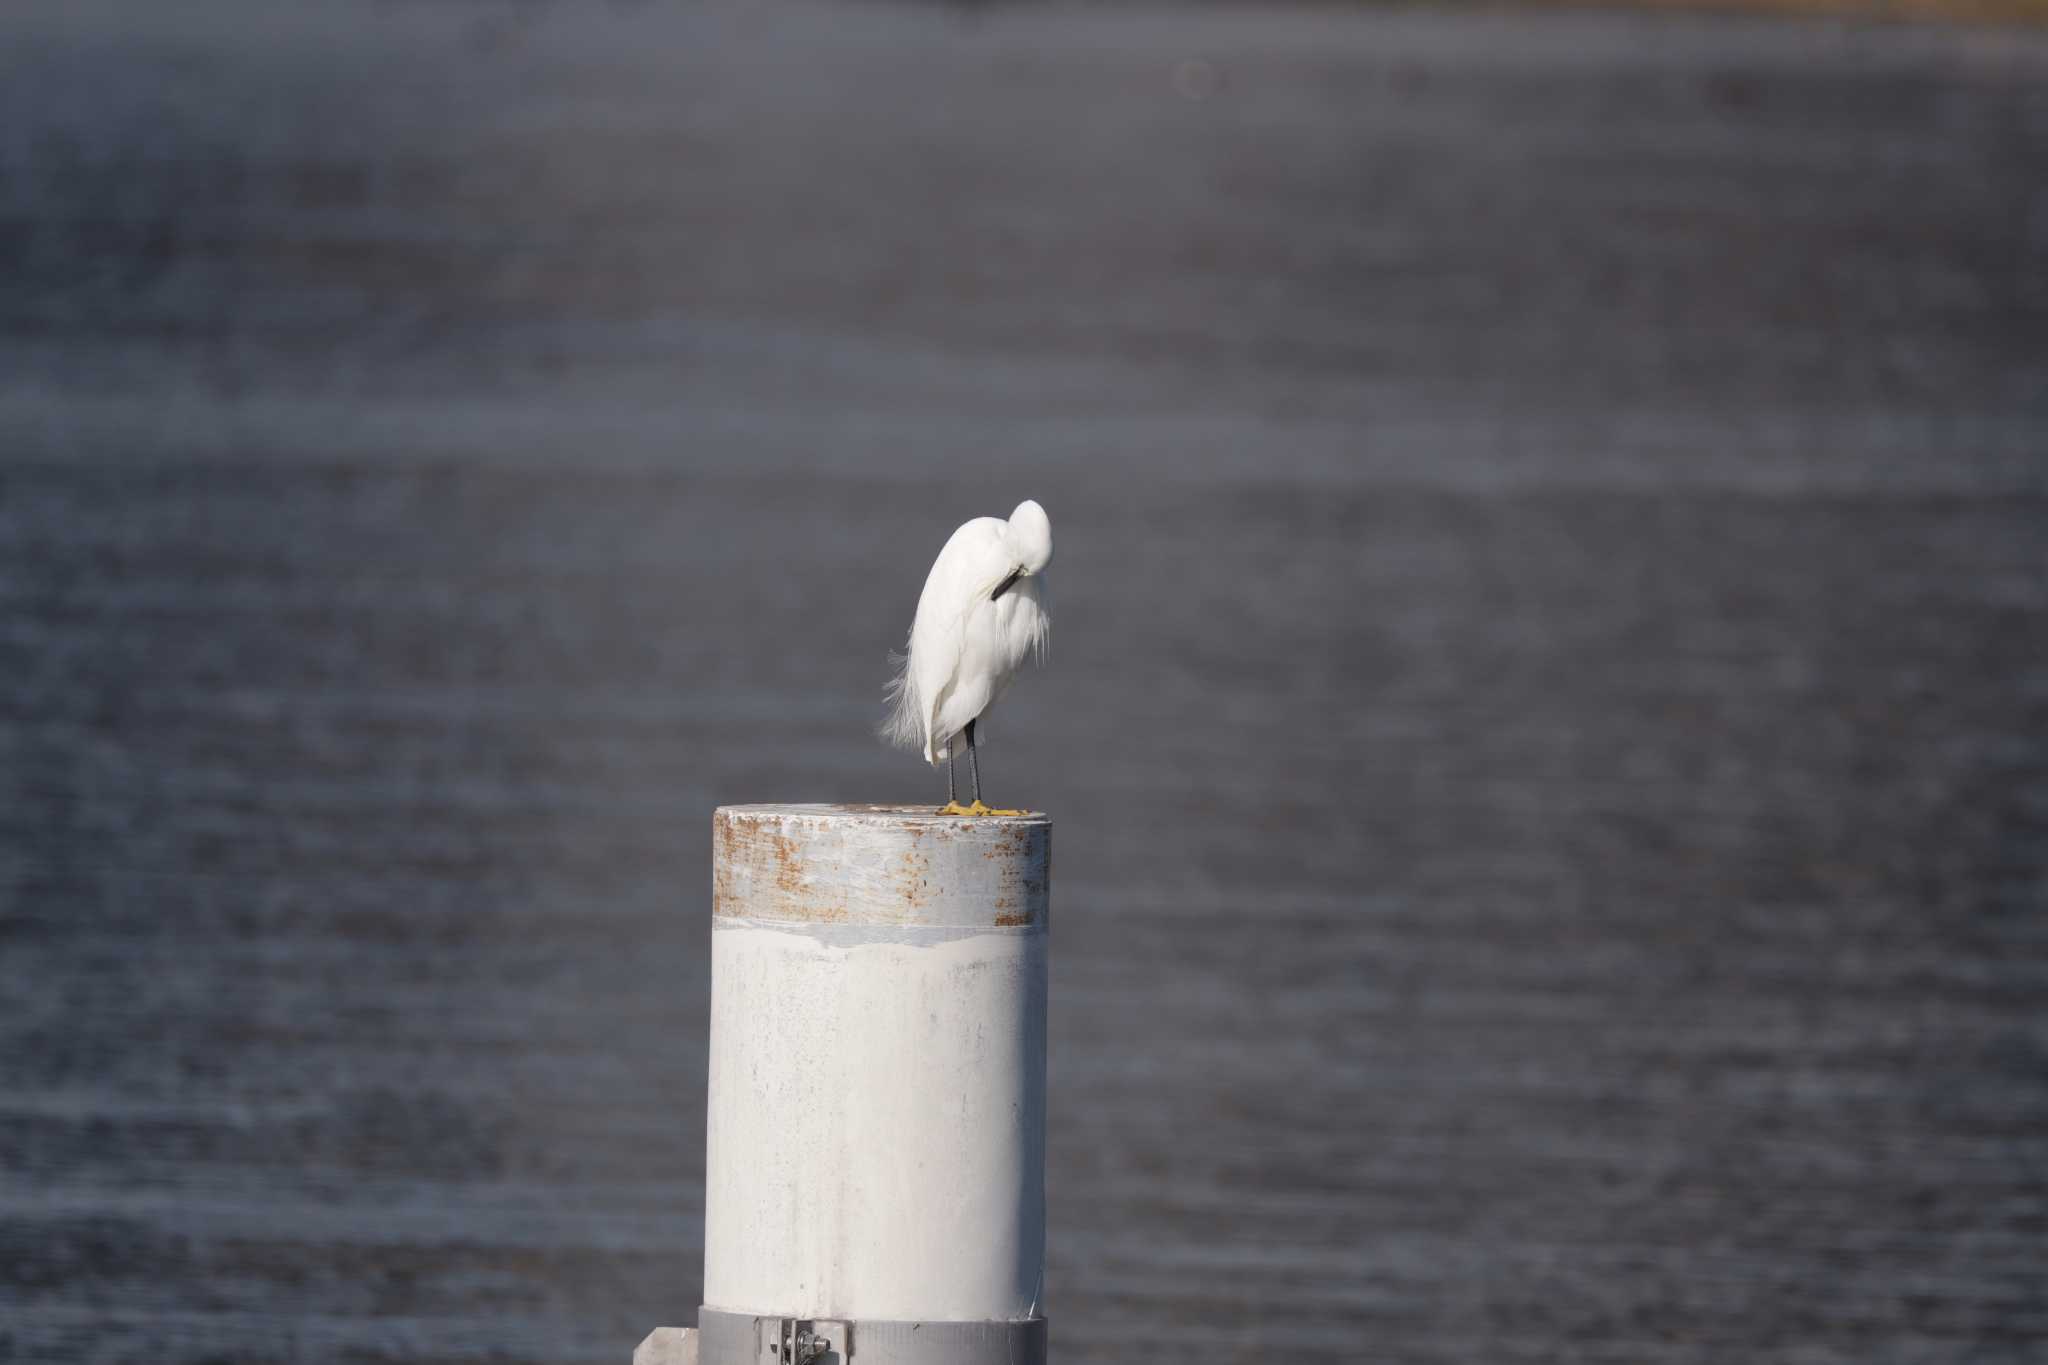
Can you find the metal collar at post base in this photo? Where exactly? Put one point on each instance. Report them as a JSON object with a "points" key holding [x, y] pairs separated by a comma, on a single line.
{"points": [[747, 1339]]}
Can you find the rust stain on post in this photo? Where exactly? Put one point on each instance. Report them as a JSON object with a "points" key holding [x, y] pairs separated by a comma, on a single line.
{"points": [[883, 865]]}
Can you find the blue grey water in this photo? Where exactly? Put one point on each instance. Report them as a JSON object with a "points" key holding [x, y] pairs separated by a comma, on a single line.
{"points": [[1547, 723]]}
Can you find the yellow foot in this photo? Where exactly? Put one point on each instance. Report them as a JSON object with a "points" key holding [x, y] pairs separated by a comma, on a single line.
{"points": [[955, 808]]}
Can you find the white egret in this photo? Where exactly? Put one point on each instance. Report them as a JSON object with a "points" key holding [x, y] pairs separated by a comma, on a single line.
{"points": [[982, 611]]}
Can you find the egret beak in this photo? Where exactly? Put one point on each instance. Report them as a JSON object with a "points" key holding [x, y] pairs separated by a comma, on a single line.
{"points": [[1006, 584]]}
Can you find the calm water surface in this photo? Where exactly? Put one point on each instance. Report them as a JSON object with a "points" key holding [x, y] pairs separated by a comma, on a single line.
{"points": [[1547, 728]]}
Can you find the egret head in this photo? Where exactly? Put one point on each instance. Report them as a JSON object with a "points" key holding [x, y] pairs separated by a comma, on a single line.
{"points": [[1031, 536]]}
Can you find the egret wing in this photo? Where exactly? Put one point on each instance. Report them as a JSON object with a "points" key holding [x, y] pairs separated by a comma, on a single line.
{"points": [[975, 559]]}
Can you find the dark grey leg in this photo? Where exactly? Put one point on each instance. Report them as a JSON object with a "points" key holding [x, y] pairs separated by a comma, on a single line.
{"points": [[951, 799], [973, 767]]}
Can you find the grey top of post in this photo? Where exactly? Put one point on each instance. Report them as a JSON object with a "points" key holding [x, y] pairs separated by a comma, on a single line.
{"points": [[880, 865]]}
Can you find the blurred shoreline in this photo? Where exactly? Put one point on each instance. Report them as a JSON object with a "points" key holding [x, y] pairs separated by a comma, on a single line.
{"points": [[1988, 13]]}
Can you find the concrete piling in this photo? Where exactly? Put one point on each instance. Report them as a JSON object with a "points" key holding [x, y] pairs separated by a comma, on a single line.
{"points": [[875, 1157]]}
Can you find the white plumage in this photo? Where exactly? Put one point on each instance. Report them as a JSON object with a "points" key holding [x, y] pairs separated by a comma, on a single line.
{"points": [[983, 610]]}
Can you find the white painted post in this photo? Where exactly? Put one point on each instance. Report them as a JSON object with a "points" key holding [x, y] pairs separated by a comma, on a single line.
{"points": [[875, 1166]]}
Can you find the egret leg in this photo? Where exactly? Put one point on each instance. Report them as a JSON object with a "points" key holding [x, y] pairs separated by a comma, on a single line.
{"points": [[974, 771], [973, 764], [952, 806]]}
